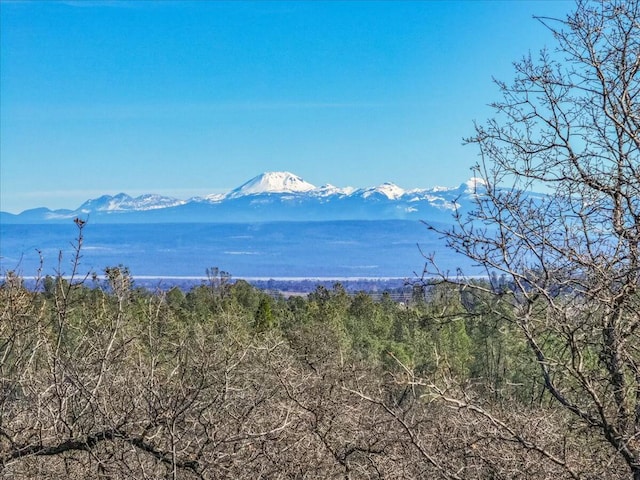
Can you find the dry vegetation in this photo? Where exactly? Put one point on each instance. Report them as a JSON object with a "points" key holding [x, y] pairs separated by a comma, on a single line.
{"points": [[121, 383], [532, 374]]}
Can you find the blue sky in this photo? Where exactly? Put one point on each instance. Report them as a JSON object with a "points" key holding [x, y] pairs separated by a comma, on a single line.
{"points": [[189, 98]]}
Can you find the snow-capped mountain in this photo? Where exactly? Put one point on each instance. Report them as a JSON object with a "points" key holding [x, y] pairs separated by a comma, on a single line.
{"points": [[271, 196], [387, 189], [123, 202], [272, 182]]}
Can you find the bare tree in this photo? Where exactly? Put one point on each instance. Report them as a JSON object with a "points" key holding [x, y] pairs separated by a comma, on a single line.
{"points": [[130, 388], [568, 126]]}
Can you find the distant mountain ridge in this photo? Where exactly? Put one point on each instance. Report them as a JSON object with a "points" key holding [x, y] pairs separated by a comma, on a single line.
{"points": [[270, 196]]}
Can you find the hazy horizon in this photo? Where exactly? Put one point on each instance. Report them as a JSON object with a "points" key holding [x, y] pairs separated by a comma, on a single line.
{"points": [[192, 98], [345, 189]]}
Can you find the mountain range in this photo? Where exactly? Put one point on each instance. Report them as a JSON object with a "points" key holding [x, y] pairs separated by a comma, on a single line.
{"points": [[270, 196]]}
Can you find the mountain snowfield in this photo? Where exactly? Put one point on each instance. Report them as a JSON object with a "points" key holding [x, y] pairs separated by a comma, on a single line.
{"points": [[272, 182], [271, 196]]}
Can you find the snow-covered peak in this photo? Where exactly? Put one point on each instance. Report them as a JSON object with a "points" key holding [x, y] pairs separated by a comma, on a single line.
{"points": [[105, 202], [122, 201], [328, 189], [288, 189], [440, 188], [152, 202], [214, 197], [272, 182], [388, 189], [473, 185]]}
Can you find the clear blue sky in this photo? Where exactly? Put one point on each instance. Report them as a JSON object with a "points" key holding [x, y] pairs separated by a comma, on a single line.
{"points": [[189, 98]]}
